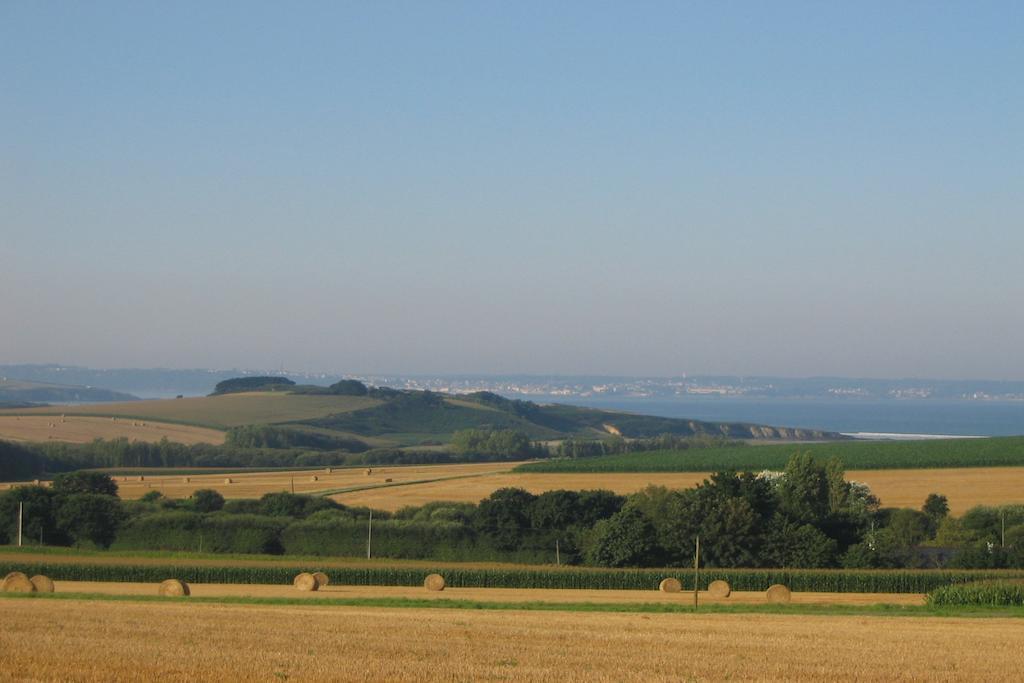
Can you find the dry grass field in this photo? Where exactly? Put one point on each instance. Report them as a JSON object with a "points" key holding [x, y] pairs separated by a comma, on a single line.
{"points": [[229, 410], [81, 429], [965, 487], [121, 641], [508, 595], [255, 484]]}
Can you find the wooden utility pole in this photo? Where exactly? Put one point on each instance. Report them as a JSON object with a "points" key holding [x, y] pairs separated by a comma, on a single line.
{"points": [[369, 534], [696, 571], [21, 517], [558, 556]]}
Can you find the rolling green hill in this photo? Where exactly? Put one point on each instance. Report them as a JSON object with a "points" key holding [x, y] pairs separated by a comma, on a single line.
{"points": [[414, 416], [218, 412], [388, 417]]}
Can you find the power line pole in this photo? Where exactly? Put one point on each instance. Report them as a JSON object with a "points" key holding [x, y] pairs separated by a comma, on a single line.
{"points": [[369, 534], [21, 516], [558, 556], [696, 571]]}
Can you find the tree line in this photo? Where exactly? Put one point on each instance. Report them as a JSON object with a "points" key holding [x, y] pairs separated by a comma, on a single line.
{"points": [[807, 516]]}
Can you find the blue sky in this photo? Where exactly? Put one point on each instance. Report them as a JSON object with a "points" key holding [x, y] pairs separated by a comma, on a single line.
{"points": [[614, 188]]}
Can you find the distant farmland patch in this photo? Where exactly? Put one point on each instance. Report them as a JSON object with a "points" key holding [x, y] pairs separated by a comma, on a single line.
{"points": [[861, 455], [218, 412], [82, 429]]}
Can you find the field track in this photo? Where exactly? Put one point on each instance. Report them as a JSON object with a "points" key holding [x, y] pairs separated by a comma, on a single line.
{"points": [[219, 590], [81, 429], [102, 641]]}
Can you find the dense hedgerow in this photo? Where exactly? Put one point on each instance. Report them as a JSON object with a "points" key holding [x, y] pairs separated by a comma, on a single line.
{"points": [[191, 531]]}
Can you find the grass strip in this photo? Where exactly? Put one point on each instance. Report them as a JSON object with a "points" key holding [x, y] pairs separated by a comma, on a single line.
{"points": [[536, 606]]}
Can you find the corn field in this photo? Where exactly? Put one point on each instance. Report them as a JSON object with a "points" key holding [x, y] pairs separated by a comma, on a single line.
{"points": [[991, 594], [830, 581]]}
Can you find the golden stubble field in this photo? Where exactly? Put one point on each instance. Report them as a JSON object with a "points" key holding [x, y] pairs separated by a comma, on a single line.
{"points": [[964, 487], [82, 429], [420, 484], [255, 484], [121, 641], [514, 595]]}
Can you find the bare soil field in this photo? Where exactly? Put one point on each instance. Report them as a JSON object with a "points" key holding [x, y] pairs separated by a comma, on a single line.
{"points": [[121, 641], [229, 410], [81, 429], [965, 487], [217, 590]]}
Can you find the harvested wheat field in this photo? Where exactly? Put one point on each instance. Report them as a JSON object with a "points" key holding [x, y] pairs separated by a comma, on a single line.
{"points": [[255, 484], [513, 595], [965, 487], [103, 641], [81, 429]]}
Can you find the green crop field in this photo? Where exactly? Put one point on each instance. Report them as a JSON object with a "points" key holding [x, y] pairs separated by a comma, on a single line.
{"points": [[856, 455], [812, 580], [218, 412]]}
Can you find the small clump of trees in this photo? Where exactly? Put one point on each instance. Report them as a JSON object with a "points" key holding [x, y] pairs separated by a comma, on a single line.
{"points": [[503, 444], [239, 384]]}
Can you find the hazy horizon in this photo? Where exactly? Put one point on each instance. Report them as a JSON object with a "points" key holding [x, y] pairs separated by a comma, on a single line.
{"points": [[793, 190]]}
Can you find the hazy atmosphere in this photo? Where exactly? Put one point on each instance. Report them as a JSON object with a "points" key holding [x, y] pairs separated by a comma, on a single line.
{"points": [[441, 187]]}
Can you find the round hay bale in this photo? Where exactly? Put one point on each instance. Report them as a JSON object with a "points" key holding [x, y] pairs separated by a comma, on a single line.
{"points": [[16, 582], [228, 480], [305, 582], [174, 588], [369, 471], [719, 589], [187, 480], [330, 470], [670, 585], [314, 478], [778, 593], [321, 579], [434, 582], [43, 584]]}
